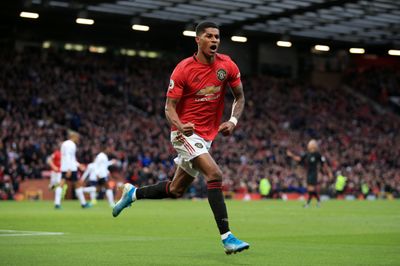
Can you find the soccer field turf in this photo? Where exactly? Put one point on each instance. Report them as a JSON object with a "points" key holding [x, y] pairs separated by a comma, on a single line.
{"points": [[183, 232]]}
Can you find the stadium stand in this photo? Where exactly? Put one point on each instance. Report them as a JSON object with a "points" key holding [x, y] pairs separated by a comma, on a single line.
{"points": [[377, 83], [120, 101]]}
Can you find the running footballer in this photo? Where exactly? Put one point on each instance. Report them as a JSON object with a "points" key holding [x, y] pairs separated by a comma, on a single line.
{"points": [[194, 108]]}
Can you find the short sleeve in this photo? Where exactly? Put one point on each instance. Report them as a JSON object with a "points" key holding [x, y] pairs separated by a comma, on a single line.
{"points": [[176, 83], [234, 75]]}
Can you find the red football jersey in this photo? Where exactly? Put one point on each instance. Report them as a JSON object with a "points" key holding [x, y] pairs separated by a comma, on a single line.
{"points": [[201, 89], [57, 158]]}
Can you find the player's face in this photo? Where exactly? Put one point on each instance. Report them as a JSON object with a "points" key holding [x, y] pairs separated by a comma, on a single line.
{"points": [[208, 41], [75, 138]]}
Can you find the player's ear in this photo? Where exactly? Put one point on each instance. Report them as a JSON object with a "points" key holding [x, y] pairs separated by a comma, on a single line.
{"points": [[197, 39]]}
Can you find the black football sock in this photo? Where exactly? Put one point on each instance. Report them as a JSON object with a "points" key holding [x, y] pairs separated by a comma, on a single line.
{"points": [[310, 195], [316, 196], [217, 204], [157, 191]]}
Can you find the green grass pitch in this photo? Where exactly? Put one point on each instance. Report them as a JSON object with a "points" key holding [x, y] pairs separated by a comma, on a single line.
{"points": [[183, 232]]}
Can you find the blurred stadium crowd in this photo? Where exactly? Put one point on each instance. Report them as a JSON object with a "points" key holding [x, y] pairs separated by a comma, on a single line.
{"points": [[378, 84], [120, 101]]}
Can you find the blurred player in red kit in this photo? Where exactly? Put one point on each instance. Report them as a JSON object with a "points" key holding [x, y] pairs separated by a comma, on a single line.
{"points": [[54, 161]]}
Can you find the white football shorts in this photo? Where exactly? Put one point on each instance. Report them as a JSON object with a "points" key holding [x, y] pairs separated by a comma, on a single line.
{"points": [[55, 178], [189, 148]]}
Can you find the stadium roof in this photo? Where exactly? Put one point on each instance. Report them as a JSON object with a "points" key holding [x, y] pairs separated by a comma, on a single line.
{"points": [[375, 22]]}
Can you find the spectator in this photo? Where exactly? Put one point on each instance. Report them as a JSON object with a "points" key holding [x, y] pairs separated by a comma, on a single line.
{"points": [[107, 94]]}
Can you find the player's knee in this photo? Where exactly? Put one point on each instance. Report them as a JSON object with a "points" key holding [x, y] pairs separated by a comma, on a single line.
{"points": [[215, 175]]}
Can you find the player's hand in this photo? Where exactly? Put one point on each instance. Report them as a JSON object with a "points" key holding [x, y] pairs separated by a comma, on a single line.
{"points": [[187, 129], [81, 182], [226, 128]]}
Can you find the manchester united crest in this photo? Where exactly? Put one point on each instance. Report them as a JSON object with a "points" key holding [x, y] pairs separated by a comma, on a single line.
{"points": [[199, 145], [221, 74]]}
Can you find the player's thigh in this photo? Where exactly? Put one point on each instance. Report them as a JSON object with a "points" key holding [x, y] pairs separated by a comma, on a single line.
{"points": [[181, 180], [206, 164]]}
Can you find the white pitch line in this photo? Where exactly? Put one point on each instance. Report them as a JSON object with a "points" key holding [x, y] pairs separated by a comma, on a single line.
{"points": [[28, 233]]}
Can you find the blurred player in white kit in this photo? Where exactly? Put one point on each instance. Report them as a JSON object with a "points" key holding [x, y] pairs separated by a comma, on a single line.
{"points": [[101, 164], [69, 167], [91, 176]]}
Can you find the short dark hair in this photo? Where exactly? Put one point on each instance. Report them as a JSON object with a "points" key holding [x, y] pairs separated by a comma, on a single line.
{"points": [[200, 28]]}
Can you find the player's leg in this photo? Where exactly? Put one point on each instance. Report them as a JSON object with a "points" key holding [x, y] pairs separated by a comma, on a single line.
{"points": [[103, 182], [184, 175], [182, 179], [79, 190], [213, 174], [310, 191], [53, 180], [91, 189], [165, 189], [316, 195], [63, 185], [64, 189], [93, 194], [311, 183], [58, 193]]}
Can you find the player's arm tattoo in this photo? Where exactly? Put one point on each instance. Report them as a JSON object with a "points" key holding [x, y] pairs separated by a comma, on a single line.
{"points": [[170, 112], [238, 103]]}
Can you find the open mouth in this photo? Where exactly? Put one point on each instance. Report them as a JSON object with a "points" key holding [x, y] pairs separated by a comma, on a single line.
{"points": [[213, 48]]}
